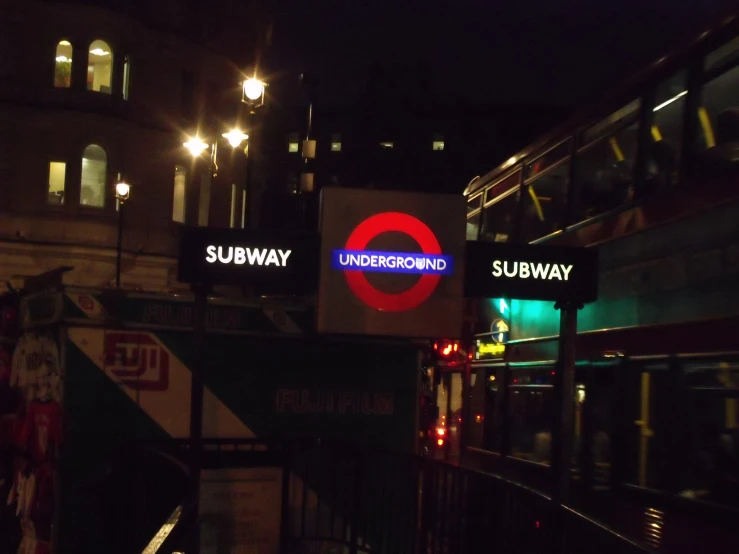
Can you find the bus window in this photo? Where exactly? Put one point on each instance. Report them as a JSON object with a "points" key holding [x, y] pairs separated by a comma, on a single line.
{"points": [[473, 204], [711, 470], [718, 118], [498, 219], [549, 159], [593, 432], [651, 424], [473, 226], [666, 133], [486, 409], [545, 203], [473, 216], [477, 408], [604, 173], [531, 411], [723, 56], [454, 418]]}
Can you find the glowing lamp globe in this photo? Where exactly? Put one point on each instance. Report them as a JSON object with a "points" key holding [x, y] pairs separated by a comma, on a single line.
{"points": [[235, 137], [253, 89], [195, 146], [122, 191]]}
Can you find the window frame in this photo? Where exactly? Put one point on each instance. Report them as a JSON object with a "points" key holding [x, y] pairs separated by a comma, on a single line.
{"points": [[335, 141], [491, 188], [111, 82], [541, 154], [126, 78], [48, 178], [106, 181], [71, 63], [185, 173], [515, 223]]}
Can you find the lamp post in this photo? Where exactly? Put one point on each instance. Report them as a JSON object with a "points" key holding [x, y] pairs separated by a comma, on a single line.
{"points": [[122, 193], [197, 146], [253, 90]]}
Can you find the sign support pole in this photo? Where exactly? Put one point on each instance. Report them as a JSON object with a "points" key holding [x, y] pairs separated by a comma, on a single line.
{"points": [[565, 387], [197, 391]]}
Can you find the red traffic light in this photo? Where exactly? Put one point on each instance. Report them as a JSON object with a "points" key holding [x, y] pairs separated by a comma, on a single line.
{"points": [[447, 348]]}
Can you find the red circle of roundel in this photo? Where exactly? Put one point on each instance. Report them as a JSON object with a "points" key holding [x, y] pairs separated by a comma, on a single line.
{"points": [[383, 223]]}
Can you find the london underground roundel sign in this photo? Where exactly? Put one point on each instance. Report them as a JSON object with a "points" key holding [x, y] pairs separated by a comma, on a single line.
{"points": [[354, 260]]}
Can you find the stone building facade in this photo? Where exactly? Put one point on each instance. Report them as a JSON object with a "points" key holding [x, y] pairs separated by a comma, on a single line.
{"points": [[93, 92]]}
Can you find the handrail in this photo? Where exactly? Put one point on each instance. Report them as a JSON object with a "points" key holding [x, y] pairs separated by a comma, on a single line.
{"points": [[164, 531], [386, 502], [369, 499]]}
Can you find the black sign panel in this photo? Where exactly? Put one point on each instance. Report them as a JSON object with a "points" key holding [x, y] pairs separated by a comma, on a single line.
{"points": [[531, 272], [270, 260]]}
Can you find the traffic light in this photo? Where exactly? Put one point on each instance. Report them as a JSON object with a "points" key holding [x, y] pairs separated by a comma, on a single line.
{"points": [[446, 349], [449, 351]]}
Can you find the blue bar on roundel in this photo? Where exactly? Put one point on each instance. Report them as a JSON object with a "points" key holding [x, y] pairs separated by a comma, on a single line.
{"points": [[392, 262]]}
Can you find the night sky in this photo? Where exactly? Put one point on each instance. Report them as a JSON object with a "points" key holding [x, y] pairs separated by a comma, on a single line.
{"points": [[546, 51]]}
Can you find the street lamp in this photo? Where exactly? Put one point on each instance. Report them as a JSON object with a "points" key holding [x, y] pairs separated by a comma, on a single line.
{"points": [[235, 137], [122, 193], [197, 146], [253, 89]]}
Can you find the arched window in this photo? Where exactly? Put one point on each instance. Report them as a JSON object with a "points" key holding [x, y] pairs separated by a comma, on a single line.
{"points": [[94, 177], [126, 77], [99, 67], [63, 65]]}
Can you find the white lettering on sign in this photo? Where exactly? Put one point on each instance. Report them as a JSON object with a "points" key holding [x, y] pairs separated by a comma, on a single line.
{"points": [[393, 262], [524, 270], [251, 256]]}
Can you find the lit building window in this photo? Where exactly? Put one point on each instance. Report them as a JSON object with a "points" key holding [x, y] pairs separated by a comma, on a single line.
{"points": [[178, 198], [438, 143], [57, 174], [336, 142], [63, 65], [293, 144], [99, 67], [126, 77], [94, 177], [386, 145]]}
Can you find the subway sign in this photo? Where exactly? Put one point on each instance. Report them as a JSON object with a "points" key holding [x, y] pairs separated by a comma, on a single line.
{"points": [[531, 272], [391, 263], [277, 262]]}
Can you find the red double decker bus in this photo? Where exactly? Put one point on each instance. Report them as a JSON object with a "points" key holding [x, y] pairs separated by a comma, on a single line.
{"points": [[649, 177]]}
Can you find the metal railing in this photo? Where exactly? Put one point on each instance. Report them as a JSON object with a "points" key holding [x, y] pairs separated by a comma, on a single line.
{"points": [[339, 498], [370, 501]]}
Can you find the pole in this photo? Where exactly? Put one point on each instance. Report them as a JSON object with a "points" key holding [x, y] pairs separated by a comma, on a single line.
{"points": [[310, 118], [119, 247], [197, 390], [565, 387], [249, 174]]}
